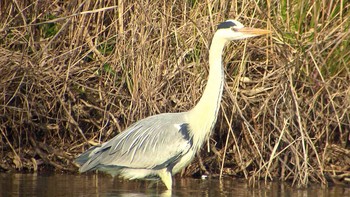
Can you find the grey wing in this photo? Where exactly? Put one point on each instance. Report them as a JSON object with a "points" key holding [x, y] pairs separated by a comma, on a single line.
{"points": [[151, 143]]}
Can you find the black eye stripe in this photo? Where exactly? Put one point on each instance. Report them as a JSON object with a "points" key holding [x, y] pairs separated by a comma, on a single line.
{"points": [[226, 24]]}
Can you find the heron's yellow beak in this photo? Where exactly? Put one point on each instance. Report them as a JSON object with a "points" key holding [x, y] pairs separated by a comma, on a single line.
{"points": [[253, 31]]}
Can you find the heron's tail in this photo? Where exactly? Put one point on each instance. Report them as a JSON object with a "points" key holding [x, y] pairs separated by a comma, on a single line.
{"points": [[84, 157]]}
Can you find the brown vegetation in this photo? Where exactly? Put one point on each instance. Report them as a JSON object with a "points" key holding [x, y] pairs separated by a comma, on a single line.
{"points": [[75, 73]]}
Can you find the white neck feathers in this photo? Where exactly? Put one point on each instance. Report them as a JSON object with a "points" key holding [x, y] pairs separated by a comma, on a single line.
{"points": [[203, 116]]}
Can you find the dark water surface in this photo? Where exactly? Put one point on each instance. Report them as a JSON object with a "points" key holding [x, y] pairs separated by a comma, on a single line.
{"points": [[102, 185]]}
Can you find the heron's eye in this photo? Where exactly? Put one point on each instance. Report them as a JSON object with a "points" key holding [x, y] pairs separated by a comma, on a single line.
{"points": [[234, 28]]}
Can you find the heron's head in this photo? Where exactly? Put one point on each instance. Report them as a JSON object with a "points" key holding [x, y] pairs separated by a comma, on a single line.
{"points": [[234, 30]]}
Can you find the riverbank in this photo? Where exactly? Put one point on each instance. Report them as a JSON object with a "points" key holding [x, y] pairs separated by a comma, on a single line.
{"points": [[77, 74]]}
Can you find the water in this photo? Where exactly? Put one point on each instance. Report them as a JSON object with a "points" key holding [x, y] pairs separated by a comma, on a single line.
{"points": [[103, 185]]}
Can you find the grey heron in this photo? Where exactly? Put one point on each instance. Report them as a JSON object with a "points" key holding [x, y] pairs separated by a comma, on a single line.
{"points": [[161, 145]]}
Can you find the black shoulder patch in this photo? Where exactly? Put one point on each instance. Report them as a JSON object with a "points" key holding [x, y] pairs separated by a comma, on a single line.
{"points": [[226, 24], [185, 131]]}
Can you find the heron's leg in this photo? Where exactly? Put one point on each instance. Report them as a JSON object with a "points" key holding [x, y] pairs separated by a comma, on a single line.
{"points": [[166, 177], [152, 183]]}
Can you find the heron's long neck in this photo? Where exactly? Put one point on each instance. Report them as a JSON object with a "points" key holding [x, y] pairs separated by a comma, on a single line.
{"points": [[203, 115]]}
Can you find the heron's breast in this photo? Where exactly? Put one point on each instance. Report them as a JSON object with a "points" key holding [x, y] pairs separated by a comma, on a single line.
{"points": [[184, 161]]}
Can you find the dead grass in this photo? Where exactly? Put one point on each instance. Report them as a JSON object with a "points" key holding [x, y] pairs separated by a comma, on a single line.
{"points": [[77, 73]]}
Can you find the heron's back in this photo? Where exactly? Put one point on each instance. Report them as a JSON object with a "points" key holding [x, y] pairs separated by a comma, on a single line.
{"points": [[153, 143]]}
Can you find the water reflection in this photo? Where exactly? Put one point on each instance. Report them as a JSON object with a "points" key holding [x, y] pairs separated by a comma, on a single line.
{"points": [[103, 185]]}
